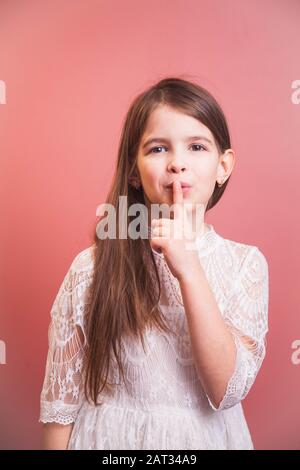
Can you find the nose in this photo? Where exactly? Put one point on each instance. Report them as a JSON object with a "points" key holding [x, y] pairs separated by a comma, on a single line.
{"points": [[176, 165]]}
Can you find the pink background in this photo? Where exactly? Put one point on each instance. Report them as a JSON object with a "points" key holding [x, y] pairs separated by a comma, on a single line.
{"points": [[71, 70]]}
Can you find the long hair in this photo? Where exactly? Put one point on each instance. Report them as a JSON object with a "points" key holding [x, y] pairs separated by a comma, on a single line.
{"points": [[125, 290]]}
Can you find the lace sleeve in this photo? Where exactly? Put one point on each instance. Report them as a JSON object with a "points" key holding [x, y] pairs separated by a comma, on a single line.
{"points": [[246, 315], [62, 390]]}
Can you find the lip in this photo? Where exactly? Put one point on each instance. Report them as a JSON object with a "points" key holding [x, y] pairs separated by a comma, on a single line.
{"points": [[182, 184]]}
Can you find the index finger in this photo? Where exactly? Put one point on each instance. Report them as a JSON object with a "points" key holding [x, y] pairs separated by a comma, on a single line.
{"points": [[177, 199]]}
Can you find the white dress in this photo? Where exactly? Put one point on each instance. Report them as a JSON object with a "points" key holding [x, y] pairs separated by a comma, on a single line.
{"points": [[165, 406]]}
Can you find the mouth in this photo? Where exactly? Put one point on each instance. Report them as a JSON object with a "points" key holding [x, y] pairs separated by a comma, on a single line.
{"points": [[184, 186]]}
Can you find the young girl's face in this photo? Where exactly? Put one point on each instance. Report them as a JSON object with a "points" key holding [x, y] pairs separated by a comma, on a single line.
{"points": [[183, 149]]}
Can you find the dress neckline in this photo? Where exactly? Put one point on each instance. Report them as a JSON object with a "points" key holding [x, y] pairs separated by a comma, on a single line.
{"points": [[206, 243]]}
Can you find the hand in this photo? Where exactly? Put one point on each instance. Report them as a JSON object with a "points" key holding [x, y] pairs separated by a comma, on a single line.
{"points": [[175, 237]]}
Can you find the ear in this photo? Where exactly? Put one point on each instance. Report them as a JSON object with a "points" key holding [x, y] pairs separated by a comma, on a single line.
{"points": [[225, 166]]}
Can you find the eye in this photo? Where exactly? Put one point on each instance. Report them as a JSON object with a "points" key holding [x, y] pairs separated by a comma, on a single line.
{"points": [[162, 146], [198, 145], [159, 147]]}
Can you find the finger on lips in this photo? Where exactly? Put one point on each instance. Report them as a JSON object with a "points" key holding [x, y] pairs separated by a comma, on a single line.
{"points": [[177, 199]]}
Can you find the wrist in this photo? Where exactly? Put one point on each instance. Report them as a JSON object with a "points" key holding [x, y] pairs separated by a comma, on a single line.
{"points": [[191, 274]]}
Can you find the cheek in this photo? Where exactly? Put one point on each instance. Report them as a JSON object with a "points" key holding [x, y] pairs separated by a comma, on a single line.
{"points": [[206, 173], [206, 179], [203, 179], [150, 175]]}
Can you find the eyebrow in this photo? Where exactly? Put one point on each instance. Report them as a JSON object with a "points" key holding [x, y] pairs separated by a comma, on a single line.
{"points": [[162, 139]]}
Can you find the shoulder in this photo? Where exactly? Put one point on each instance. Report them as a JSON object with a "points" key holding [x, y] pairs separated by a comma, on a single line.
{"points": [[83, 262], [69, 304], [77, 277], [245, 256]]}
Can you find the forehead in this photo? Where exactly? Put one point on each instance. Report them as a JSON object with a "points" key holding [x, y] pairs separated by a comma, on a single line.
{"points": [[169, 122]]}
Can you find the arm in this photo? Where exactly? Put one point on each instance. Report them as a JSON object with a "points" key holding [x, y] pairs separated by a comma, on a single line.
{"points": [[213, 346], [56, 436], [229, 348], [62, 392]]}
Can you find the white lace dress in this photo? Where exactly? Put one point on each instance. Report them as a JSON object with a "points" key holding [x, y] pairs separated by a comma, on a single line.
{"points": [[165, 407]]}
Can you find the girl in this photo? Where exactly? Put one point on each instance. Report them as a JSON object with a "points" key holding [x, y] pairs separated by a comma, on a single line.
{"points": [[153, 344]]}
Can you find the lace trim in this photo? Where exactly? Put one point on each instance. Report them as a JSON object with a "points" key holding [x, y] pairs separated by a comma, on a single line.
{"points": [[246, 369], [58, 412]]}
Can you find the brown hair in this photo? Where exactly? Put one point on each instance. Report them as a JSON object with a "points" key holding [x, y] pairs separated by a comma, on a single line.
{"points": [[125, 290]]}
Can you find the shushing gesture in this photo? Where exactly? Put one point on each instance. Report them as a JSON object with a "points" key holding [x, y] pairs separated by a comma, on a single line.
{"points": [[175, 238]]}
